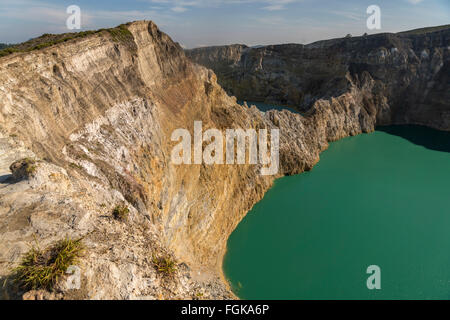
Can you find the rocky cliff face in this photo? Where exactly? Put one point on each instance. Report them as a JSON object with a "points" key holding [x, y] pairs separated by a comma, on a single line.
{"points": [[408, 73], [97, 114]]}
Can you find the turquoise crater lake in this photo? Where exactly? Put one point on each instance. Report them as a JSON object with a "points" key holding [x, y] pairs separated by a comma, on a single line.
{"points": [[374, 199]]}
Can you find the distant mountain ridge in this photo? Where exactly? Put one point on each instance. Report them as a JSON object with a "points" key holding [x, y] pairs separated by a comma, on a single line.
{"points": [[87, 120], [407, 71], [4, 45]]}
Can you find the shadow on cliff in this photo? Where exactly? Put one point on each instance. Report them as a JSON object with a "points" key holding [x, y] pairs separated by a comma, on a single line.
{"points": [[6, 179], [423, 136], [9, 290]]}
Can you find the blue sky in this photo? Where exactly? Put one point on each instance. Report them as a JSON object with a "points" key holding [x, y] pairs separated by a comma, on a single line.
{"points": [[195, 23]]}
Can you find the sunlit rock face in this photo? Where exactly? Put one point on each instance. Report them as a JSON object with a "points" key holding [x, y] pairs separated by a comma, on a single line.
{"points": [[406, 73], [96, 114]]}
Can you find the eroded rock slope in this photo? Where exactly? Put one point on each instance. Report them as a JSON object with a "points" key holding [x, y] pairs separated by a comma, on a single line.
{"points": [[408, 73], [97, 114]]}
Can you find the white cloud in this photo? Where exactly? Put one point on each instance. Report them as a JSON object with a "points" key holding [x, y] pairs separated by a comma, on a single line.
{"points": [[178, 9], [274, 7], [269, 5], [37, 17], [414, 1], [349, 15]]}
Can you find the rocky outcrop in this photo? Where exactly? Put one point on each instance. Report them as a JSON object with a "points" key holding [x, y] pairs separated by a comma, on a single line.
{"points": [[94, 117], [98, 115], [408, 73]]}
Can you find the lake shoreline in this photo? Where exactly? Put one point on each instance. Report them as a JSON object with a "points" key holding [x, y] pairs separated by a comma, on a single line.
{"points": [[233, 286]]}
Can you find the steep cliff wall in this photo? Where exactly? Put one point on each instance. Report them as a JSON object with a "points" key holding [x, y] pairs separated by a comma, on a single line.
{"points": [[410, 73], [97, 112]]}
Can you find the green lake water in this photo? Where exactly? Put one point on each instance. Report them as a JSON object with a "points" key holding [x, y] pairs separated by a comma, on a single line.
{"points": [[375, 199]]}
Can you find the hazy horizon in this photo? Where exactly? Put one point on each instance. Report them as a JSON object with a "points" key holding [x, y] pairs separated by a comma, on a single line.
{"points": [[200, 23]]}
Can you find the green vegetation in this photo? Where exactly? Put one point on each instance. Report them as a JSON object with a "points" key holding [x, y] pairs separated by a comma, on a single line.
{"points": [[118, 34], [7, 51], [75, 166], [31, 170], [121, 33], [426, 30], [41, 269], [121, 212], [30, 166], [165, 265]]}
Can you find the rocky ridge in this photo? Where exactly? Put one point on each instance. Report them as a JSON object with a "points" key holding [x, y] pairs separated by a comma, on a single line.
{"points": [[408, 73], [97, 113]]}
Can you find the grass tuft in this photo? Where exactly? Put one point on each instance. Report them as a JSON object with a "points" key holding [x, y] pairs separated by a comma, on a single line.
{"points": [[165, 265], [121, 212], [41, 269]]}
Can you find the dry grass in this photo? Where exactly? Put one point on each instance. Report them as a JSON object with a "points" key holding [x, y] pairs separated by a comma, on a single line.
{"points": [[121, 212], [41, 269], [164, 265]]}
